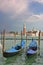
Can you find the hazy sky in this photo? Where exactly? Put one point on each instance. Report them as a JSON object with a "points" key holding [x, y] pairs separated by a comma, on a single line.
{"points": [[14, 13]]}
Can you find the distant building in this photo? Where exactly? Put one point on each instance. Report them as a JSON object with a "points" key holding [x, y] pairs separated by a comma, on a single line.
{"points": [[37, 33], [41, 33], [32, 32]]}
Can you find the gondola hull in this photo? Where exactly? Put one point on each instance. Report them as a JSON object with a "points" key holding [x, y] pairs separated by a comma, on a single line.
{"points": [[32, 48], [10, 54], [14, 50]]}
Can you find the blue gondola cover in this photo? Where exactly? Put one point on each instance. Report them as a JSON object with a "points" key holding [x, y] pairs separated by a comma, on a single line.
{"points": [[33, 43]]}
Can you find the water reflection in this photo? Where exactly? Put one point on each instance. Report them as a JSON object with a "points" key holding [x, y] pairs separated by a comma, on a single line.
{"points": [[22, 59]]}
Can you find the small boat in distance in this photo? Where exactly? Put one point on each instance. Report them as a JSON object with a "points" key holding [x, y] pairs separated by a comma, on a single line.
{"points": [[14, 49], [32, 48]]}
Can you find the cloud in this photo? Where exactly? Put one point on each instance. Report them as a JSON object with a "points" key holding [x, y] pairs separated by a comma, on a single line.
{"points": [[16, 6], [40, 16], [40, 1], [14, 13], [20, 8], [35, 18]]}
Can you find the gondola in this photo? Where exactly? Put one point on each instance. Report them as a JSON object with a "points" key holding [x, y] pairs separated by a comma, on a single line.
{"points": [[14, 49], [32, 48]]}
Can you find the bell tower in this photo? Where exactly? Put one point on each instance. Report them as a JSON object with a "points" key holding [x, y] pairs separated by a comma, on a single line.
{"points": [[24, 29]]}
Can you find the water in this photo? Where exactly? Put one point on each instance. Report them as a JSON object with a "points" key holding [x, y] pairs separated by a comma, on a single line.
{"points": [[21, 58]]}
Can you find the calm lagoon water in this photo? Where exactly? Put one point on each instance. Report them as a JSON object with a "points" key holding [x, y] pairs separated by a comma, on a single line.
{"points": [[21, 59]]}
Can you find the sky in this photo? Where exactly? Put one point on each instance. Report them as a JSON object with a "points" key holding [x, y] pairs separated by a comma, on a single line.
{"points": [[15, 13]]}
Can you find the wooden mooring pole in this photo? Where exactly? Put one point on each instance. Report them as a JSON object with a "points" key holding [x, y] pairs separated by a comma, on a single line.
{"points": [[14, 37], [39, 43], [26, 38], [26, 41], [3, 40], [21, 36]]}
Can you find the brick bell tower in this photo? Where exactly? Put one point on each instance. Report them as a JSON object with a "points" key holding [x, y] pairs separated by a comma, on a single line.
{"points": [[24, 29]]}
